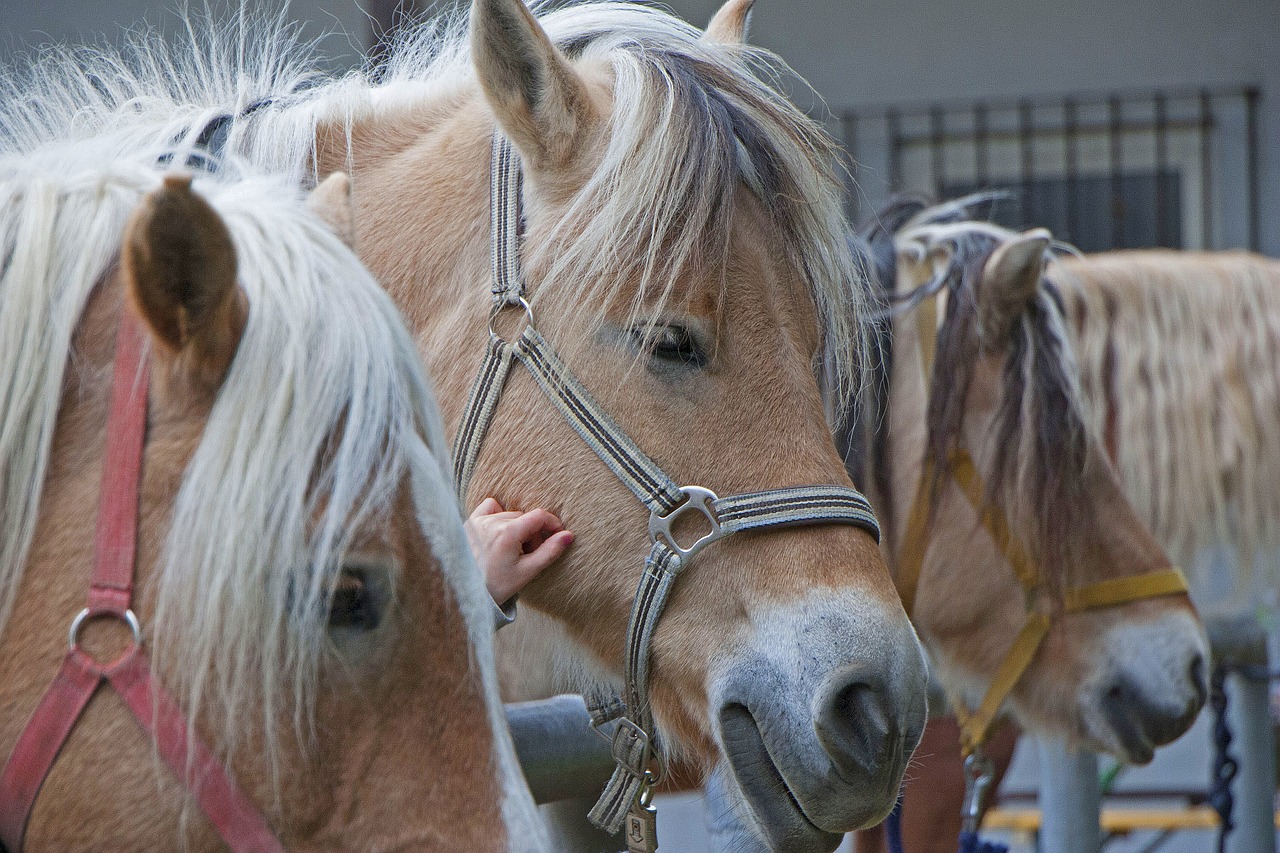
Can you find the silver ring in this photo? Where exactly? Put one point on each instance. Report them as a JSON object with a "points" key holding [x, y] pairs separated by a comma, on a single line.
{"points": [[498, 308], [128, 617]]}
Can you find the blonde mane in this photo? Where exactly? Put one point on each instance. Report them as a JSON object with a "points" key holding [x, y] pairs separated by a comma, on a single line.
{"points": [[1180, 359], [323, 416], [692, 122]]}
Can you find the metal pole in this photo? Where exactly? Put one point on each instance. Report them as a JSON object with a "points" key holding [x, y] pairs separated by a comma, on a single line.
{"points": [[1254, 746], [562, 757], [1069, 802]]}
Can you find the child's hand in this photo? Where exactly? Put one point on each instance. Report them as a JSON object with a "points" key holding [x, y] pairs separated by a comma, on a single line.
{"points": [[513, 547]]}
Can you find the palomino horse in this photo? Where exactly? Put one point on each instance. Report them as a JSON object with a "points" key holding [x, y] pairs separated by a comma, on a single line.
{"points": [[683, 244], [982, 446], [304, 588]]}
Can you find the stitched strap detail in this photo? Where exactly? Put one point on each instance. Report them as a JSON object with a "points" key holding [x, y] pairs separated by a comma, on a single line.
{"points": [[802, 505], [38, 745], [504, 210], [485, 391], [602, 434]]}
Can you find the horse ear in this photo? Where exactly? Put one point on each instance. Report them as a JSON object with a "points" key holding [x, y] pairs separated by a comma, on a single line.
{"points": [[1009, 283], [331, 203], [179, 269], [538, 98], [730, 23]]}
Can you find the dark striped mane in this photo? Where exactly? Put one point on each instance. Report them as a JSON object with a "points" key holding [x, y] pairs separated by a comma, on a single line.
{"points": [[1039, 435]]}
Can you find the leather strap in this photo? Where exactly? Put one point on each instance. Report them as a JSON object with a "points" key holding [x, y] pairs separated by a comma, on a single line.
{"points": [[234, 817]]}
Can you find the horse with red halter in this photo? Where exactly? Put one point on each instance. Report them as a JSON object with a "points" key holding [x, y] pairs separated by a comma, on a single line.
{"points": [[283, 623]]}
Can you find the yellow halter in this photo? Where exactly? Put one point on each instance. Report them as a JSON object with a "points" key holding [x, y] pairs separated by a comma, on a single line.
{"points": [[975, 725]]}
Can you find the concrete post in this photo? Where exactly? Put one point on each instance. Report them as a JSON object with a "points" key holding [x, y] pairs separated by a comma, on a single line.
{"points": [[1069, 801]]}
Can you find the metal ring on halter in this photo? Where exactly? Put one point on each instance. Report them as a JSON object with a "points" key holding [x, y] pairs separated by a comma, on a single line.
{"points": [[128, 617], [698, 499], [498, 308]]}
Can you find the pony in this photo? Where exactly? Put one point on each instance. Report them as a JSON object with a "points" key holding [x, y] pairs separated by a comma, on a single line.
{"points": [[305, 593], [1122, 676]]}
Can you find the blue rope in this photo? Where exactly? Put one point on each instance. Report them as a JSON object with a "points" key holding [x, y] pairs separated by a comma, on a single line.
{"points": [[971, 843], [893, 827]]}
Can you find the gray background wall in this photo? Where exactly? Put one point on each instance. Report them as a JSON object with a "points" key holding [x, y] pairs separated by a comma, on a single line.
{"points": [[858, 53]]}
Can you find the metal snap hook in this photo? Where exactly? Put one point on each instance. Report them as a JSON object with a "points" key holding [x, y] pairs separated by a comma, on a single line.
{"points": [[697, 499]]}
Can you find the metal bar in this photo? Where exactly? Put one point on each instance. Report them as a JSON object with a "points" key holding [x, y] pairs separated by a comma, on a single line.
{"points": [[1069, 801], [1252, 96], [981, 158], [1071, 163], [1115, 119], [1026, 159], [849, 134], [1161, 131], [893, 129], [1053, 131], [561, 755], [937, 150], [1256, 783], [1206, 170]]}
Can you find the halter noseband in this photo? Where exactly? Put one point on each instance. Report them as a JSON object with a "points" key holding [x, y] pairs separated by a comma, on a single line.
{"points": [[975, 725], [635, 740]]}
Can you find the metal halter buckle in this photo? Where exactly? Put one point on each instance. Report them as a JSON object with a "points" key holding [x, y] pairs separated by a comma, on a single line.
{"points": [[697, 499], [128, 617]]}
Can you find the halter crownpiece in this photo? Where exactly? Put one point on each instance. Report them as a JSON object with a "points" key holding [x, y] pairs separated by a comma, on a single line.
{"points": [[635, 743]]}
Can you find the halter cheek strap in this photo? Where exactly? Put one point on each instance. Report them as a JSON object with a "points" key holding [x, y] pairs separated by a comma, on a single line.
{"points": [[975, 725], [635, 744], [235, 818]]}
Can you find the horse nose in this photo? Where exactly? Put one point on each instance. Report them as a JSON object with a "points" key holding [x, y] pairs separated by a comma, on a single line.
{"points": [[1146, 723], [862, 723]]}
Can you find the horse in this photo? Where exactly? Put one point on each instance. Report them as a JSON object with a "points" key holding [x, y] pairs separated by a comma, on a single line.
{"points": [[1179, 355], [987, 419], [305, 598]]}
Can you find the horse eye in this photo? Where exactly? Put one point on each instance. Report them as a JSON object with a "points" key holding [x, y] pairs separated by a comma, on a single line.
{"points": [[356, 604], [672, 344]]}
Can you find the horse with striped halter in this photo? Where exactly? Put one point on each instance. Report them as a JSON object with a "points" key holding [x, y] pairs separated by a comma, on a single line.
{"points": [[282, 615]]}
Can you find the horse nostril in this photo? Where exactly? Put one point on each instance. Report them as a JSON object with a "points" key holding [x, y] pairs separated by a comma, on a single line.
{"points": [[856, 723], [1196, 673]]}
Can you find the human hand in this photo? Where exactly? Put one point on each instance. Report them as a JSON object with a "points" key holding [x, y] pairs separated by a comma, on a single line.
{"points": [[511, 547]]}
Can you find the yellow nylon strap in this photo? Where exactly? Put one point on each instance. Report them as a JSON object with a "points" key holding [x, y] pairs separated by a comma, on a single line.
{"points": [[976, 725], [993, 520], [1115, 591], [916, 540]]}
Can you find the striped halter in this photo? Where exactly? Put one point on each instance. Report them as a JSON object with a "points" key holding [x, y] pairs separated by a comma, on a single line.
{"points": [[635, 743]]}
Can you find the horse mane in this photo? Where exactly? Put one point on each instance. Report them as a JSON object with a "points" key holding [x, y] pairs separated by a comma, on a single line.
{"points": [[323, 416], [692, 122], [1039, 439], [1191, 338]]}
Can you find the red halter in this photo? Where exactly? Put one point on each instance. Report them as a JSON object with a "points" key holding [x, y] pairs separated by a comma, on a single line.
{"points": [[235, 818]]}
